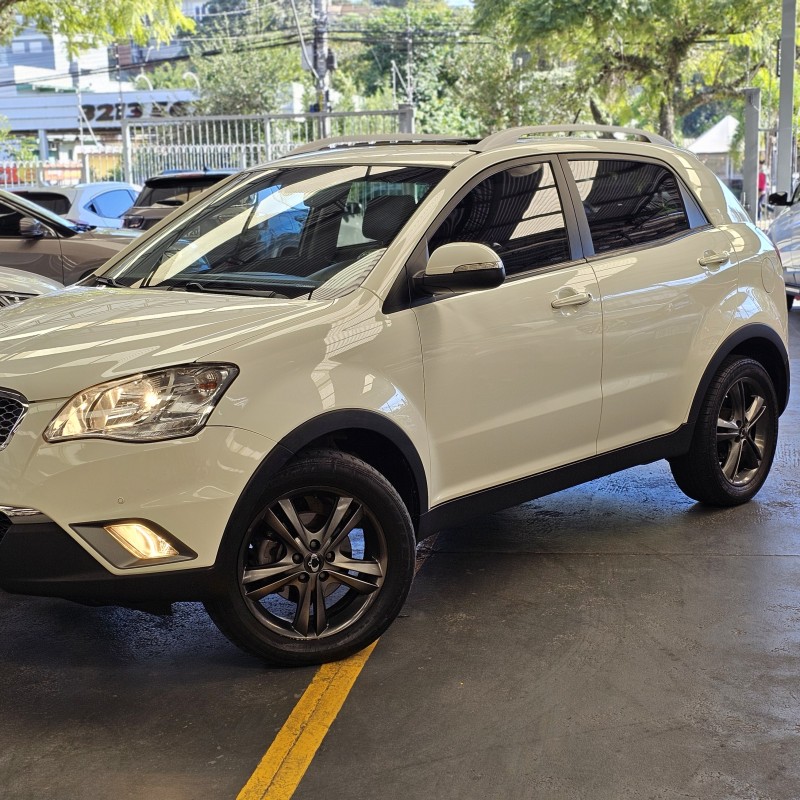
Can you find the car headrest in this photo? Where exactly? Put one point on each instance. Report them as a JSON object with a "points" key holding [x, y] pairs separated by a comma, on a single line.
{"points": [[384, 216]]}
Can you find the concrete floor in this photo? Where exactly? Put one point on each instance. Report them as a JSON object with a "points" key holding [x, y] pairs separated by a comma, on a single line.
{"points": [[611, 641]]}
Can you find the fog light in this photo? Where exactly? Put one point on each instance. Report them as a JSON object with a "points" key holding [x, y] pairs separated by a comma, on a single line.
{"points": [[141, 541]]}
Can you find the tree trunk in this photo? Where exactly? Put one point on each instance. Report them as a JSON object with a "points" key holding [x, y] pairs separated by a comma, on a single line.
{"points": [[666, 120], [597, 114]]}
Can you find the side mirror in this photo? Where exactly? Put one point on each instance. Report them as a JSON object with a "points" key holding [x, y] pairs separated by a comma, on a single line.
{"points": [[779, 199], [30, 228], [462, 267]]}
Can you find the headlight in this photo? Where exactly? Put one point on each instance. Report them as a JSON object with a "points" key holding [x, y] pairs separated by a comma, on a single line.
{"points": [[148, 407]]}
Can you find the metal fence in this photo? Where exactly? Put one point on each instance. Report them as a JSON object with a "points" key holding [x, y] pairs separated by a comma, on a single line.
{"points": [[151, 146], [104, 164]]}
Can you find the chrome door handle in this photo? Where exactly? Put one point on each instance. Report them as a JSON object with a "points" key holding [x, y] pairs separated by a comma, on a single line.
{"points": [[577, 299], [710, 258]]}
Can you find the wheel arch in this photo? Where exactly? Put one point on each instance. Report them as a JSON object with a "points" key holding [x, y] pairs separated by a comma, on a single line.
{"points": [[756, 341], [369, 436]]}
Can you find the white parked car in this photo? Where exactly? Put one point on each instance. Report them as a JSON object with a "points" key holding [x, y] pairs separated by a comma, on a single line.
{"points": [[16, 286], [100, 205], [460, 326]]}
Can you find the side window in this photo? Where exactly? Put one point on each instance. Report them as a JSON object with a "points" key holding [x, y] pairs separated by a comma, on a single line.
{"points": [[112, 204], [628, 203], [518, 213], [9, 221]]}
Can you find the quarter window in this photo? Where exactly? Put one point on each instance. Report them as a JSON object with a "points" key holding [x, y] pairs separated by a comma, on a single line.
{"points": [[628, 203], [518, 213], [111, 204]]}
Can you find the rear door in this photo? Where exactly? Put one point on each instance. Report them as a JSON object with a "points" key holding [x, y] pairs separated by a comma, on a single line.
{"points": [[663, 273]]}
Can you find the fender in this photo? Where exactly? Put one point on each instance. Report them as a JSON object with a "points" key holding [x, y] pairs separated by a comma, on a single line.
{"points": [[313, 430], [745, 340]]}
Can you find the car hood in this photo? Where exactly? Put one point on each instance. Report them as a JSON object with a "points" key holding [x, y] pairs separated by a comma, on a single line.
{"points": [[17, 280], [52, 347]]}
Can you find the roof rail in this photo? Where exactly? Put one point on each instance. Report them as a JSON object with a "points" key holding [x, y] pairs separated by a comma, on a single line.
{"points": [[379, 138], [514, 135]]}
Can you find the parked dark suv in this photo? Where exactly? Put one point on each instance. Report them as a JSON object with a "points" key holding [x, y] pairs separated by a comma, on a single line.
{"points": [[162, 194]]}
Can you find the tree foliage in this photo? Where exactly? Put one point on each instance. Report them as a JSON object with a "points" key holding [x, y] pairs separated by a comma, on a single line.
{"points": [[88, 23], [650, 60], [241, 67]]}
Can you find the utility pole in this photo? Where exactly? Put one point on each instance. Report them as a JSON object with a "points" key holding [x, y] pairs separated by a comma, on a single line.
{"points": [[786, 105], [409, 61], [321, 63]]}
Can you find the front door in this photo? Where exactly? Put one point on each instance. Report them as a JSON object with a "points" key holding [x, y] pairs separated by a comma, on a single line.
{"points": [[512, 381]]}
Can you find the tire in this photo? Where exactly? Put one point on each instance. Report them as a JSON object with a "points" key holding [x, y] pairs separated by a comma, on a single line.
{"points": [[321, 566], [734, 439], [789, 301]]}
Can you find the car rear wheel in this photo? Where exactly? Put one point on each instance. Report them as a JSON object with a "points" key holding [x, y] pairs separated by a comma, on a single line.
{"points": [[322, 566], [734, 439]]}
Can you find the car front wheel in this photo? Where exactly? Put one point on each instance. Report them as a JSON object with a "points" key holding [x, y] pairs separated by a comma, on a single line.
{"points": [[734, 439], [322, 565]]}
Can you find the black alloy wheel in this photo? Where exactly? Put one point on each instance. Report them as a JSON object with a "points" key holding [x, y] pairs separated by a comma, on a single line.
{"points": [[734, 439], [323, 566]]}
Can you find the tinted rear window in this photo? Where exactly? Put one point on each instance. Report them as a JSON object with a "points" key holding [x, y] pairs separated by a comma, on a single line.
{"points": [[56, 203], [175, 192]]}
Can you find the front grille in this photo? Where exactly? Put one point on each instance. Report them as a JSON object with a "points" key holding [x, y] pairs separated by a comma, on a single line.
{"points": [[5, 524], [12, 410]]}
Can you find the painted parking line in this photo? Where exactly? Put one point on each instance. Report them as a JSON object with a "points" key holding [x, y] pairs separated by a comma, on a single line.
{"points": [[281, 769]]}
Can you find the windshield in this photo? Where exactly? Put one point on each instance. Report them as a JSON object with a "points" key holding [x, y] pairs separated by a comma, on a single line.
{"points": [[285, 233]]}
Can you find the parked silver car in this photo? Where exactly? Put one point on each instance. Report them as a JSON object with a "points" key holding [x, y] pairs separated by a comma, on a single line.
{"points": [[35, 240], [785, 235], [101, 204]]}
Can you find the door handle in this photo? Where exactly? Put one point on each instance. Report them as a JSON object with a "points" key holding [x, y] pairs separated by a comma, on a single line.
{"points": [[711, 258], [577, 299]]}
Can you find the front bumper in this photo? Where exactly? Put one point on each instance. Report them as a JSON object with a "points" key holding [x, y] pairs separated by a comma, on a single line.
{"points": [[188, 487], [38, 557]]}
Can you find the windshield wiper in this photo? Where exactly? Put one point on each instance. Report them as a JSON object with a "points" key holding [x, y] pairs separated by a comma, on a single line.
{"points": [[103, 280], [194, 286]]}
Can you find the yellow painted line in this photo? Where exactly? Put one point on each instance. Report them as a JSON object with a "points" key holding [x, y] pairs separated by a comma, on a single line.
{"points": [[281, 769]]}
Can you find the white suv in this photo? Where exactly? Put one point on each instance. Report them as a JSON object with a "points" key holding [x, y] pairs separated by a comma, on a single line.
{"points": [[456, 327]]}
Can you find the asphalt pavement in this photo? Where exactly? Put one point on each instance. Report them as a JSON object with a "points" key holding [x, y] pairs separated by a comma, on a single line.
{"points": [[611, 641]]}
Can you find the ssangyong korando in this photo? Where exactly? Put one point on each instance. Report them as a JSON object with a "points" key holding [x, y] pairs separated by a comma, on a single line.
{"points": [[269, 422]]}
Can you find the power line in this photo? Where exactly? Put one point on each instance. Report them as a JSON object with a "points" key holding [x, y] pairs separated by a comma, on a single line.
{"points": [[172, 59]]}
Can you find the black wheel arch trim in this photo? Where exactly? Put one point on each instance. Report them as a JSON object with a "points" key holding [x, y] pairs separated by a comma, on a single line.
{"points": [[746, 334], [329, 423]]}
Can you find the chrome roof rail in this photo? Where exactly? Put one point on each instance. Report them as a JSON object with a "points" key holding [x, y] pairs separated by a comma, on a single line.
{"points": [[519, 135], [336, 142]]}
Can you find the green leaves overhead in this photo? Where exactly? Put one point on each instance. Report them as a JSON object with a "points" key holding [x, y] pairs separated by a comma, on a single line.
{"points": [[644, 61], [87, 23]]}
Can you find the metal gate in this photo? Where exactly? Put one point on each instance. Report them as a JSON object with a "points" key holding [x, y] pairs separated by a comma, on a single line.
{"points": [[151, 146]]}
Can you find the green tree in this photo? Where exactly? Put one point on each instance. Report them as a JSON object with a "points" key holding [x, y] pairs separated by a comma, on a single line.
{"points": [[649, 61], [421, 43], [88, 23], [245, 64]]}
